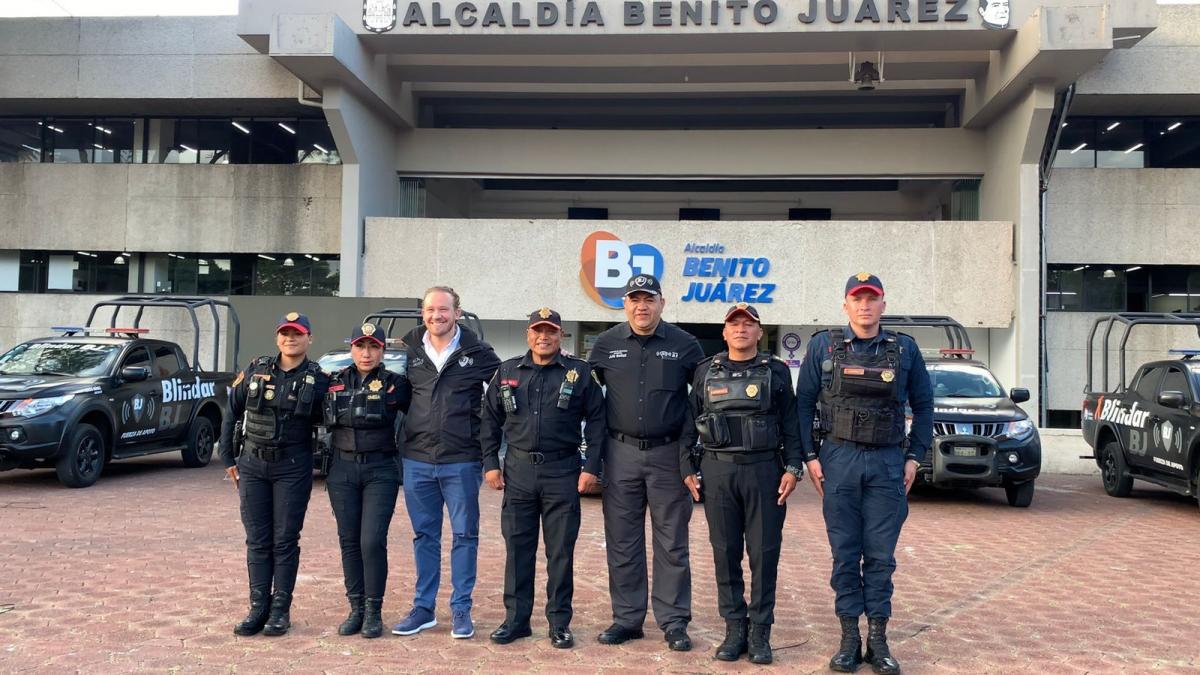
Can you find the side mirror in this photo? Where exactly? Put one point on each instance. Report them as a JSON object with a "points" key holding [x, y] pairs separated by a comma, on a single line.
{"points": [[135, 373], [1019, 394], [1172, 399]]}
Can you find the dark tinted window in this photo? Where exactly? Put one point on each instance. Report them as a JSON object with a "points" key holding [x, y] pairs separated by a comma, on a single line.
{"points": [[699, 214], [586, 213], [166, 363], [20, 140], [1176, 380], [139, 357], [1147, 384]]}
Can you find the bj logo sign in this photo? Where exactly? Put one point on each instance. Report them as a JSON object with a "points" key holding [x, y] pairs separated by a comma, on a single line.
{"points": [[607, 264]]}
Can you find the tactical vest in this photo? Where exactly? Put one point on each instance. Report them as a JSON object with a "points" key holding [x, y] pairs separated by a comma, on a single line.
{"points": [[359, 419], [737, 415], [271, 402], [860, 394]]}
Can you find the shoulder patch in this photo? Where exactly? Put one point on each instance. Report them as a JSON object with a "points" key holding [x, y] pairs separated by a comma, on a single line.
{"points": [[238, 380]]}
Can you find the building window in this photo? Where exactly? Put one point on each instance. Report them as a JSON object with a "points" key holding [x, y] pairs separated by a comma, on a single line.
{"points": [[1123, 288], [295, 274], [699, 214], [20, 140], [219, 140], [587, 213], [1130, 143]]}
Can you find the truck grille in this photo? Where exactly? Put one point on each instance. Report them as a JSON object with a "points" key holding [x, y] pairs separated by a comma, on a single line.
{"points": [[987, 430], [5, 405]]}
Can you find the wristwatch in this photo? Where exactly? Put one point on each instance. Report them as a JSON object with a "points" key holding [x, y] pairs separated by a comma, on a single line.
{"points": [[794, 470]]}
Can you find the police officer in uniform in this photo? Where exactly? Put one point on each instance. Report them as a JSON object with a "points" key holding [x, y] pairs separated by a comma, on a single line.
{"points": [[360, 411], [538, 401], [861, 377], [278, 400], [646, 365], [747, 423]]}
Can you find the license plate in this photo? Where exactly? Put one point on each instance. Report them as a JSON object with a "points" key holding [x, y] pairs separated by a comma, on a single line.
{"points": [[965, 451]]}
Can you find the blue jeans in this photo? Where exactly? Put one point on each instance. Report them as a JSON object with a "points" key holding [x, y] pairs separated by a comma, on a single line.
{"points": [[426, 488]]}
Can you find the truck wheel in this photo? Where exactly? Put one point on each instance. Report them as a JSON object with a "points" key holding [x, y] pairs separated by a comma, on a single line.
{"points": [[1019, 494], [1117, 481], [83, 458], [200, 440]]}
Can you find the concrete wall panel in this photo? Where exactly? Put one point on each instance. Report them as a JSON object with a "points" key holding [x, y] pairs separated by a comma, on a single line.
{"points": [[171, 208], [1123, 216], [478, 257]]}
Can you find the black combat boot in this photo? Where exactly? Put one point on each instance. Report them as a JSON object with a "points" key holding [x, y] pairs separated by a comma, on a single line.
{"points": [[735, 640], [878, 654], [353, 622], [760, 644], [373, 621], [849, 655], [257, 618], [281, 614]]}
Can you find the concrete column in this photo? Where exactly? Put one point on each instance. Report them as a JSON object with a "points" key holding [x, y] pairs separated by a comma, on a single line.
{"points": [[1009, 191], [367, 144]]}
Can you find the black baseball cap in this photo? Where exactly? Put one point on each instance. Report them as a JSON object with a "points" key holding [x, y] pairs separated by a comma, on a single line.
{"points": [[295, 320], [545, 317], [370, 331], [864, 281], [742, 308], [643, 283]]}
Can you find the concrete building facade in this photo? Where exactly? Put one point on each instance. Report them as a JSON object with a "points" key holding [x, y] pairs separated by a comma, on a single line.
{"points": [[532, 153]]}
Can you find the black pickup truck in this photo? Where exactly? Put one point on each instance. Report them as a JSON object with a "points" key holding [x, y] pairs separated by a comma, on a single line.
{"points": [[94, 394], [981, 437], [1149, 429]]}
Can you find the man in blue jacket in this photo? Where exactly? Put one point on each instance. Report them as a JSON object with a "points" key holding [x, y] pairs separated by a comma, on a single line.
{"points": [[860, 378], [447, 366]]}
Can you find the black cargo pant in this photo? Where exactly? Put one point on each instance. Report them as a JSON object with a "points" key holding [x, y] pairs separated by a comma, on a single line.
{"points": [[549, 492], [274, 496], [741, 505], [641, 480], [362, 491]]}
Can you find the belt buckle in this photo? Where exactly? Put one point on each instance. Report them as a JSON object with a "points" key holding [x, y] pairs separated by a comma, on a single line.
{"points": [[644, 445], [536, 457]]}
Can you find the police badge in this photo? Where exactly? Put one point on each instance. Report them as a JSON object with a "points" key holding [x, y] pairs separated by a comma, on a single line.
{"points": [[752, 390], [375, 385], [379, 16], [572, 375]]}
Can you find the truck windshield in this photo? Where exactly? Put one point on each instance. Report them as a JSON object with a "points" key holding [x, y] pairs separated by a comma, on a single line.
{"points": [[75, 359], [964, 382]]}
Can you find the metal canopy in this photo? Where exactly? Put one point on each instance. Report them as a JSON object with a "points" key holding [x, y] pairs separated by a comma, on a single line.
{"points": [[1129, 320], [189, 303]]}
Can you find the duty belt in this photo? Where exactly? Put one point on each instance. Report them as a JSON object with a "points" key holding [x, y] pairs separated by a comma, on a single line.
{"points": [[738, 457], [365, 457], [540, 457], [642, 443], [265, 453]]}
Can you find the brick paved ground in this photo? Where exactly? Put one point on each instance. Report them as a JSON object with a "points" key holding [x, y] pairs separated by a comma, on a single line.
{"points": [[145, 571]]}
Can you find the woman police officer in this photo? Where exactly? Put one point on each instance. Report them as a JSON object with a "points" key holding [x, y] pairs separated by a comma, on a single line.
{"points": [[278, 401], [360, 411]]}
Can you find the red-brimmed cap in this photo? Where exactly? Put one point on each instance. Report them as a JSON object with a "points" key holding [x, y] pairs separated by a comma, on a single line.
{"points": [[864, 281], [742, 308], [295, 320]]}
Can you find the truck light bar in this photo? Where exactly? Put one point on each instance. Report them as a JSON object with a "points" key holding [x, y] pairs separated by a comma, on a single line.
{"points": [[956, 352], [131, 331], [1185, 353]]}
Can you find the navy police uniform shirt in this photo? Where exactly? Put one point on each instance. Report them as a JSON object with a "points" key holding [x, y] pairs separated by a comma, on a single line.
{"points": [[539, 424], [912, 384]]}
